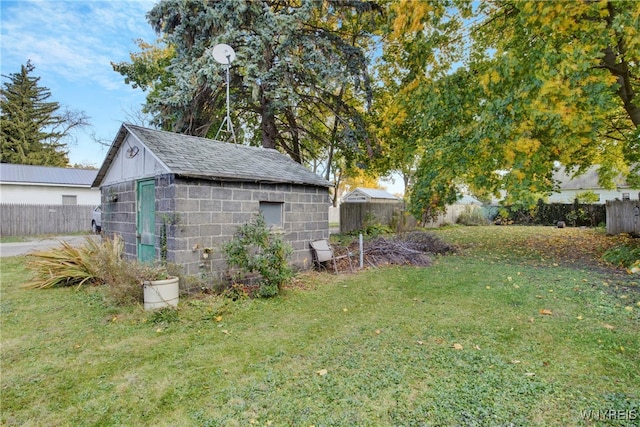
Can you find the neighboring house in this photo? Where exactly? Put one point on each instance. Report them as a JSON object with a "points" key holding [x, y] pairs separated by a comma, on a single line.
{"points": [[570, 187], [181, 197], [45, 185], [364, 195]]}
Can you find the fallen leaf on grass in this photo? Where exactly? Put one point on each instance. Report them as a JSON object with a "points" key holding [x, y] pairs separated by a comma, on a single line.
{"points": [[515, 362], [420, 342], [628, 308], [322, 372], [546, 312], [608, 326], [457, 346], [529, 374], [218, 318], [224, 331], [377, 331], [477, 347]]}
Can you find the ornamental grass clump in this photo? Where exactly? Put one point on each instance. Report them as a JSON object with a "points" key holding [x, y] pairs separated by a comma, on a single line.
{"points": [[95, 263], [72, 266]]}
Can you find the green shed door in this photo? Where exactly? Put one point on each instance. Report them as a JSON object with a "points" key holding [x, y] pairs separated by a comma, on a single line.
{"points": [[146, 221]]}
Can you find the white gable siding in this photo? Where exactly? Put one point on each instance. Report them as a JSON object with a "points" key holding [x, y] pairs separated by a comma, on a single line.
{"points": [[38, 194], [125, 168], [363, 195], [568, 196], [357, 196]]}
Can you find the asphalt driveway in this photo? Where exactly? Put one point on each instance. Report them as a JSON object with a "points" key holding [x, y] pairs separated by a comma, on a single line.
{"points": [[23, 248]]}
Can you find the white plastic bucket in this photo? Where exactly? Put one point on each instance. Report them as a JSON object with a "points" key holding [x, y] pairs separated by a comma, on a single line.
{"points": [[161, 293]]}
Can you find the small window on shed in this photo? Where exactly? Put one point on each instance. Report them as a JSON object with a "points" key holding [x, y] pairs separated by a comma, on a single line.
{"points": [[625, 196], [69, 200], [272, 213]]}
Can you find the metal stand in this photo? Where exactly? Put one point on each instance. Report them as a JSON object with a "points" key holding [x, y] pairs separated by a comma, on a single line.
{"points": [[227, 119]]}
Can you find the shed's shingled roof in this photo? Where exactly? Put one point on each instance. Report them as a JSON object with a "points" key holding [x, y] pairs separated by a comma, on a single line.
{"points": [[46, 175], [205, 158]]}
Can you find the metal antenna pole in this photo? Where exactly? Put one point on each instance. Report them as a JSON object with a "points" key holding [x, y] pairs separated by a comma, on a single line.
{"points": [[227, 119], [224, 54]]}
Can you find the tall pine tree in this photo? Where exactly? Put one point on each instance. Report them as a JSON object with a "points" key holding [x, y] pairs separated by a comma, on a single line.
{"points": [[32, 130]]}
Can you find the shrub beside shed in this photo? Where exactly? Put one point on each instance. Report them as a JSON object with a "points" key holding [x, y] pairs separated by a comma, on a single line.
{"points": [[180, 197]]}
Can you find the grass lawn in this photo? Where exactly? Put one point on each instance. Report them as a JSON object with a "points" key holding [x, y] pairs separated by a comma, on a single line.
{"points": [[524, 326]]}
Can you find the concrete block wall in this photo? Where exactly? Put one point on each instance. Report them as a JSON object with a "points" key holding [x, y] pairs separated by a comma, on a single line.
{"points": [[202, 214], [119, 216]]}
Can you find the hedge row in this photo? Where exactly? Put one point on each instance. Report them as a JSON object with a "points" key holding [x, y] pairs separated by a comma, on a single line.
{"points": [[574, 214]]}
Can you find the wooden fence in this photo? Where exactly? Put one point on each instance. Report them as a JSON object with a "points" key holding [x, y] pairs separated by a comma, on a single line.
{"points": [[355, 216], [623, 216], [450, 216], [27, 220]]}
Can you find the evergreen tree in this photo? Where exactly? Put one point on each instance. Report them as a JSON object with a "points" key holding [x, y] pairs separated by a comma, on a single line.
{"points": [[300, 80], [32, 130]]}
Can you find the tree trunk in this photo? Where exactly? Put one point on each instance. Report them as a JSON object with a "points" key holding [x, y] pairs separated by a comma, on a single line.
{"points": [[621, 71], [334, 134], [294, 151], [268, 116], [267, 123]]}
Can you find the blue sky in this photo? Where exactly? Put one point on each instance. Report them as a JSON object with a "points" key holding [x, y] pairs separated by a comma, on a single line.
{"points": [[71, 44]]}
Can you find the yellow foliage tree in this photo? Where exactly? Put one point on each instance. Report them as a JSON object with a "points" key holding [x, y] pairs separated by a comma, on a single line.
{"points": [[503, 91]]}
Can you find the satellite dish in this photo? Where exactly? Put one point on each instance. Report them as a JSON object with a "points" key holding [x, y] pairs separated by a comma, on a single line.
{"points": [[223, 53]]}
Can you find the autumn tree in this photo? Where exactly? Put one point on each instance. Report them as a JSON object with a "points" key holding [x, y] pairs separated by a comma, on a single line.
{"points": [[397, 132], [299, 83], [33, 129], [504, 91], [148, 71]]}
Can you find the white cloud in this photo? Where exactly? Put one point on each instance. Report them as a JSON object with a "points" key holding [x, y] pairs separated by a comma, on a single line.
{"points": [[74, 40], [71, 44]]}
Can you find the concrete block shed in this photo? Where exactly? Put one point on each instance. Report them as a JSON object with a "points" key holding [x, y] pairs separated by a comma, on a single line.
{"points": [[179, 197]]}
